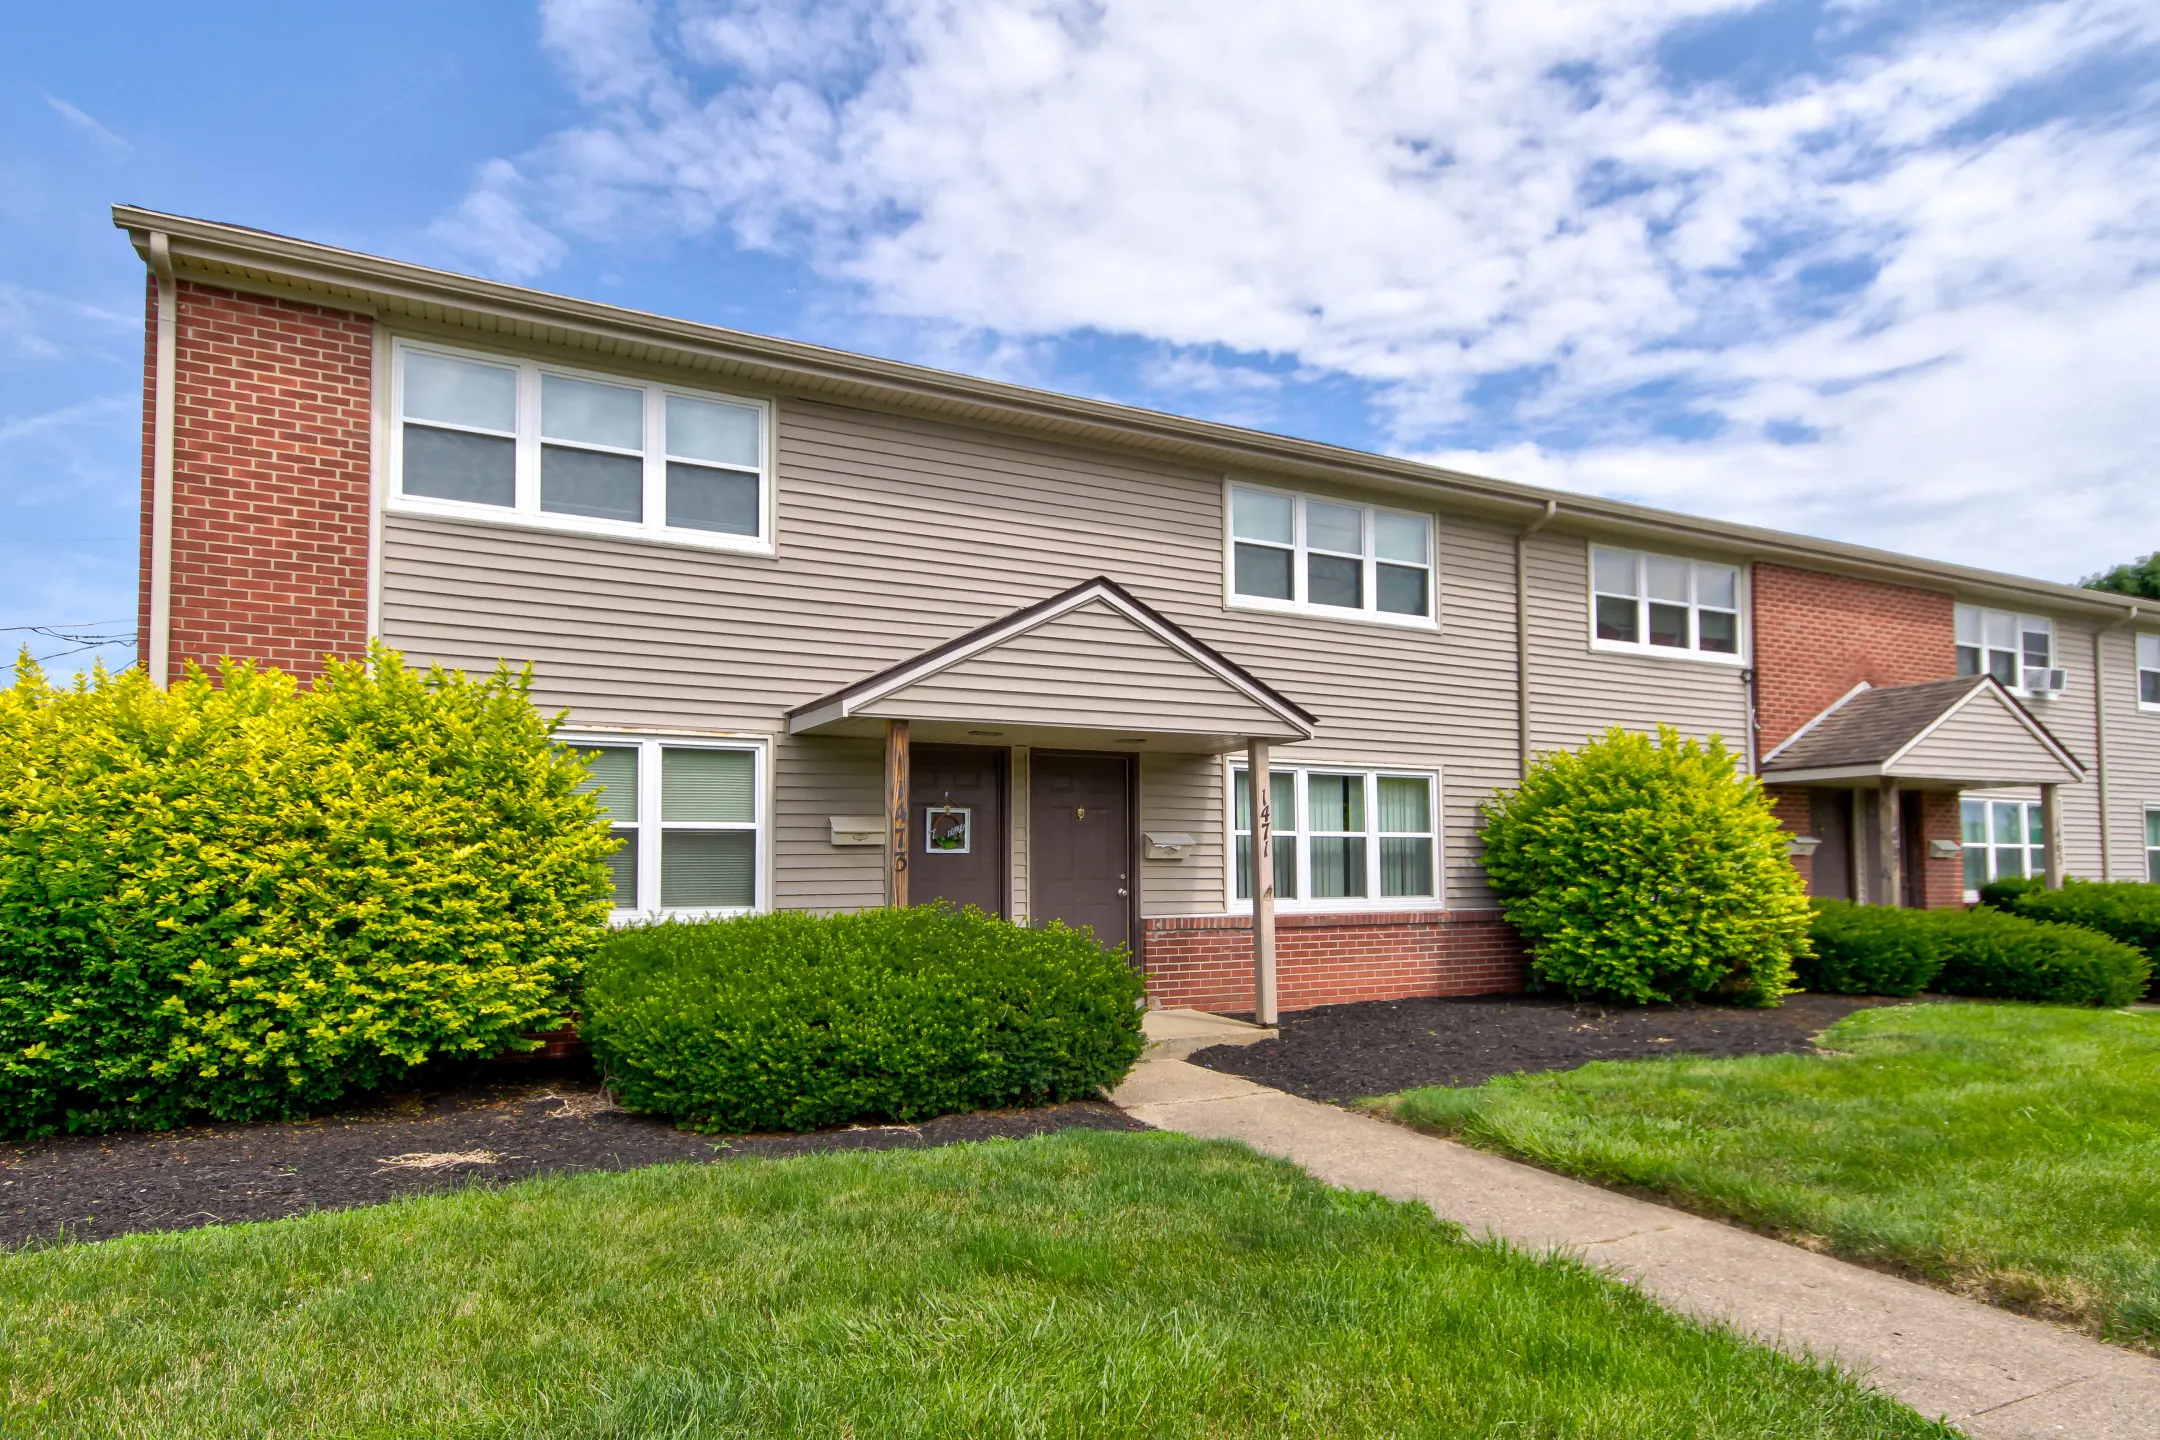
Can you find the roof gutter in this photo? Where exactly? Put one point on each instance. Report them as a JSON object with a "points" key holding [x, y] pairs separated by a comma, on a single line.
{"points": [[259, 260], [155, 648]]}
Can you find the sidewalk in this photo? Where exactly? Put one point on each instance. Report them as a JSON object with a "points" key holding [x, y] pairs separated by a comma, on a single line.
{"points": [[1995, 1375]]}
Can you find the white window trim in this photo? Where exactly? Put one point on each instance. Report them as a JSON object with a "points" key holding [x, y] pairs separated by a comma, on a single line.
{"points": [[526, 513], [1744, 631], [1232, 600], [2148, 847], [1991, 845], [649, 744], [1347, 905], [2019, 628], [2139, 671]]}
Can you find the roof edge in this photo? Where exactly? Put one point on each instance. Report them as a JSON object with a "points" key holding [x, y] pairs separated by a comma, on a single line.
{"points": [[903, 383]]}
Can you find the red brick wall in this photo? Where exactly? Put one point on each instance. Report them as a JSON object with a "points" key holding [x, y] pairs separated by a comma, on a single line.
{"points": [[1795, 812], [270, 480], [1817, 636], [1205, 961]]}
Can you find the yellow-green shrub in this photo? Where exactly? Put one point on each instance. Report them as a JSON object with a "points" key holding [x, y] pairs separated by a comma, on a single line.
{"points": [[237, 900], [1646, 870]]}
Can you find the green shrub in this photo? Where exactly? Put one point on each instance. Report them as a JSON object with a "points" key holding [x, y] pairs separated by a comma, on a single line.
{"points": [[235, 900], [1640, 871], [1869, 950], [2003, 894], [793, 1021], [2125, 910], [2001, 956]]}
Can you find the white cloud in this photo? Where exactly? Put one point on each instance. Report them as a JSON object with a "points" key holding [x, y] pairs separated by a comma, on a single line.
{"points": [[1426, 198], [89, 126]]}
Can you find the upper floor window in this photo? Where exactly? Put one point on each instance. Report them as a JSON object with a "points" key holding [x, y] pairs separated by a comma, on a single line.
{"points": [[2018, 650], [1658, 603], [2148, 668], [487, 438], [1342, 837], [1329, 557], [690, 821]]}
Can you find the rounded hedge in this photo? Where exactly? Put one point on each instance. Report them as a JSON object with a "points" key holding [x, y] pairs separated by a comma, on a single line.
{"points": [[1643, 870], [791, 1021], [1870, 950], [2125, 910], [237, 900], [1990, 953]]}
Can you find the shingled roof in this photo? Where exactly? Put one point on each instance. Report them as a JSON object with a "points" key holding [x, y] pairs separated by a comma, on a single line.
{"points": [[1906, 731]]}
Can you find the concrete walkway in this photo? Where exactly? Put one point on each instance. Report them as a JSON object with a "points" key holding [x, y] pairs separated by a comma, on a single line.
{"points": [[1995, 1375]]}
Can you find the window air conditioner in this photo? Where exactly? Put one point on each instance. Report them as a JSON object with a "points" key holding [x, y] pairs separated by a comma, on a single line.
{"points": [[2046, 684]]}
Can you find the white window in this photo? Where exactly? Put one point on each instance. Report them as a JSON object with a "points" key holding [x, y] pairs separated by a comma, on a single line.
{"points": [[1659, 604], [1328, 557], [1343, 838], [2152, 846], [2018, 650], [2148, 671], [486, 438], [2004, 840], [691, 818]]}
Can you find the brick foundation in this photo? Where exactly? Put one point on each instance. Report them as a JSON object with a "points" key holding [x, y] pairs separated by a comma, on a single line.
{"points": [[270, 479], [1205, 961]]}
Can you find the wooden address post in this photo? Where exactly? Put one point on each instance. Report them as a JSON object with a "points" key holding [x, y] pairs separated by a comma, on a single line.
{"points": [[896, 812]]}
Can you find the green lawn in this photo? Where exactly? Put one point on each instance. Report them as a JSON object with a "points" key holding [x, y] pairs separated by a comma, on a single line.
{"points": [[1089, 1283], [2006, 1151]]}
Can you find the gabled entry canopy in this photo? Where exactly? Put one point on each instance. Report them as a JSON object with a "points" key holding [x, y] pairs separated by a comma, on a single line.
{"points": [[1967, 733], [1090, 668]]}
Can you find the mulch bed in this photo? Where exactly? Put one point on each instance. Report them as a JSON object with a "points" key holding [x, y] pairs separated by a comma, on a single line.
{"points": [[1340, 1053], [538, 1120]]}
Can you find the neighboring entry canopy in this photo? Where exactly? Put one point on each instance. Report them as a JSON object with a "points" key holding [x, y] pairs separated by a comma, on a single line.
{"points": [[1967, 733], [1087, 669]]}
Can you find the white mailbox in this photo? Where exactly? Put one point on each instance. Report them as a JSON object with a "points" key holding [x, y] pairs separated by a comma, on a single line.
{"points": [[1165, 845], [858, 829]]}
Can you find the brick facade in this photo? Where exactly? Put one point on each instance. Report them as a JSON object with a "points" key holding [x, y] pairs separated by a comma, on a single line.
{"points": [[1205, 961], [1817, 636], [271, 424]]}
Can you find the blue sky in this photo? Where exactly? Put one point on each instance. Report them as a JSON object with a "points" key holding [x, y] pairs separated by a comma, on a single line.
{"points": [[1883, 272]]}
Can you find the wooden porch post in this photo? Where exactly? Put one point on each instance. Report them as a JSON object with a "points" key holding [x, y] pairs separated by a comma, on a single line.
{"points": [[896, 812], [1263, 883], [1890, 836], [2051, 832]]}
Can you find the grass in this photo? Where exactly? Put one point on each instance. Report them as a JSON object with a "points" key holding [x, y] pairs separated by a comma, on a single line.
{"points": [[1087, 1283], [2010, 1152]]}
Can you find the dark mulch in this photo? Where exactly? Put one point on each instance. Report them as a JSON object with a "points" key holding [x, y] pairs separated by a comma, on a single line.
{"points": [[1346, 1052], [540, 1120]]}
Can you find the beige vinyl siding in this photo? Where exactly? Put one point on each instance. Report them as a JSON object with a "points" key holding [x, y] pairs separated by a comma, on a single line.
{"points": [[814, 780], [2133, 752], [1091, 667], [1183, 793], [1577, 692], [1982, 740], [623, 633]]}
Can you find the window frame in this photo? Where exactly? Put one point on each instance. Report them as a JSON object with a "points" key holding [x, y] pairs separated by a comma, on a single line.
{"points": [[1301, 837], [2021, 626], [2152, 851], [1368, 613], [2028, 821], [2139, 669], [524, 512], [1743, 631], [651, 827]]}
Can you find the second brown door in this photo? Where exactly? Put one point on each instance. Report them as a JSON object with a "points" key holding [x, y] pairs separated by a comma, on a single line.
{"points": [[1080, 843], [956, 826]]}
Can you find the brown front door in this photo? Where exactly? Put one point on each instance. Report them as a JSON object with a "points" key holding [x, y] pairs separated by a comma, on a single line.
{"points": [[1912, 861], [1080, 843], [956, 826], [1832, 823]]}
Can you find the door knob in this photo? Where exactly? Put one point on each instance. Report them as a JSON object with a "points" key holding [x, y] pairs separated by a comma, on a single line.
{"points": [[1121, 892]]}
